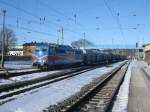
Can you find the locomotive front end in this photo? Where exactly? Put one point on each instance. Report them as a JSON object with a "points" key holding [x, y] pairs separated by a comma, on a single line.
{"points": [[40, 56]]}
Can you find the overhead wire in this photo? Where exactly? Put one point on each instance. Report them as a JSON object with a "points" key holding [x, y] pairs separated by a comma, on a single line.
{"points": [[62, 14], [116, 19], [31, 14], [18, 8], [29, 29]]}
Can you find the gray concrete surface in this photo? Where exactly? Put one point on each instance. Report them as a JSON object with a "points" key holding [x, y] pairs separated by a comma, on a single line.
{"points": [[139, 91]]}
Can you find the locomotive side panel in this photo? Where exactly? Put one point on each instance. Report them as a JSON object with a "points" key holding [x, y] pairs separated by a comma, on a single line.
{"points": [[50, 55]]}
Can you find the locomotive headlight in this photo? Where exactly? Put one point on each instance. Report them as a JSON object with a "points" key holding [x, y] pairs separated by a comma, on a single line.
{"points": [[40, 53]]}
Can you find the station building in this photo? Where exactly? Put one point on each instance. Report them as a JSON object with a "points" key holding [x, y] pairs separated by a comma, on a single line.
{"points": [[28, 49], [147, 53], [15, 51]]}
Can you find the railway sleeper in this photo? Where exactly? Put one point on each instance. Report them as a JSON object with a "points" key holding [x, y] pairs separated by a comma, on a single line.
{"points": [[65, 105], [104, 102]]}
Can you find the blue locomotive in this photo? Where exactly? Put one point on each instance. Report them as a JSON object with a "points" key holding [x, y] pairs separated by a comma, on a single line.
{"points": [[53, 55], [50, 55]]}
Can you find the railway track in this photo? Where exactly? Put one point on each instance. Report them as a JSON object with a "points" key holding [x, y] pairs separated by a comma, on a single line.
{"points": [[14, 73], [66, 73], [95, 97], [19, 84], [17, 88], [5, 73], [18, 72]]}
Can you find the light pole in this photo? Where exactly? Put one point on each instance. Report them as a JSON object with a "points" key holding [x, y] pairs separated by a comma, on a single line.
{"points": [[62, 35], [61, 30], [84, 39], [3, 40]]}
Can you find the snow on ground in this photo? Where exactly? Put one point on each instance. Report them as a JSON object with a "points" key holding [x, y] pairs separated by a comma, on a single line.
{"points": [[39, 99], [33, 75], [121, 103], [5, 81], [22, 70], [29, 76], [18, 64]]}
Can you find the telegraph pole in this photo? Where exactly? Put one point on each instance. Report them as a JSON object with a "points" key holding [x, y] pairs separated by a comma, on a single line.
{"points": [[58, 37], [3, 40], [62, 35], [84, 39]]}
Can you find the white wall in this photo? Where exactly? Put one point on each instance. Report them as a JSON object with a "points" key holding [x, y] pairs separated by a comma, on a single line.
{"points": [[147, 48], [15, 53]]}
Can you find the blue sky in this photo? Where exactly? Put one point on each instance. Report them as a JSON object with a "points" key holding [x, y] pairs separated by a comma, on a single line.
{"points": [[105, 22]]}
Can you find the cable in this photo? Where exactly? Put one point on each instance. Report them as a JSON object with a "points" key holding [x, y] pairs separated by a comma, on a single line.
{"points": [[18, 8], [31, 30], [116, 19], [60, 13], [31, 14]]}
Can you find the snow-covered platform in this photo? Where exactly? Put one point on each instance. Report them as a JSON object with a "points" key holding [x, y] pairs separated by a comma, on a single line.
{"points": [[139, 91]]}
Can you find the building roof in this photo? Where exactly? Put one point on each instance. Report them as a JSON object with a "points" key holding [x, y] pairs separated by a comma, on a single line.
{"points": [[37, 43], [146, 47], [15, 49], [146, 44]]}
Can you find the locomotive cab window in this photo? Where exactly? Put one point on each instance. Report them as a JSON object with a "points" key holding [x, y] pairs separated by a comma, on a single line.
{"points": [[37, 50], [60, 51], [44, 49]]}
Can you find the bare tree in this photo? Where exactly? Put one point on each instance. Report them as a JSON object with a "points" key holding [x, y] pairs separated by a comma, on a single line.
{"points": [[10, 38], [81, 43]]}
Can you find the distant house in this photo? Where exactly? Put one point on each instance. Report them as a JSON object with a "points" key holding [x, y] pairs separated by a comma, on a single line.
{"points": [[28, 48], [15, 51], [147, 53]]}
